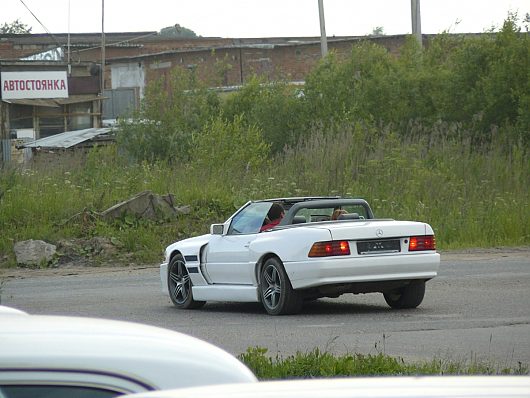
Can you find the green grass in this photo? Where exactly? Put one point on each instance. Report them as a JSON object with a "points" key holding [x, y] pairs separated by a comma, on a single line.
{"points": [[315, 364], [474, 195]]}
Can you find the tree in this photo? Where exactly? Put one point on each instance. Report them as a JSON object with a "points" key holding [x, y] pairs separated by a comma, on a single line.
{"points": [[177, 31], [15, 28], [377, 31]]}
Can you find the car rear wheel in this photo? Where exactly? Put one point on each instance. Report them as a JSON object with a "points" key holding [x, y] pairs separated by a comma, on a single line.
{"points": [[179, 284], [409, 296], [277, 295]]}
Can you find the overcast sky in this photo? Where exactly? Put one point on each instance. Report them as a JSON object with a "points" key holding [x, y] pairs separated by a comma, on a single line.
{"points": [[261, 18]]}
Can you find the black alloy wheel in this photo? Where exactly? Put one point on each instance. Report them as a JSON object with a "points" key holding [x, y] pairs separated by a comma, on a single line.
{"points": [[277, 295], [179, 284]]}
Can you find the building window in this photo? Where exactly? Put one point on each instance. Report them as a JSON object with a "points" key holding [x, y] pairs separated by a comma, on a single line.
{"points": [[298, 53], [21, 116]]}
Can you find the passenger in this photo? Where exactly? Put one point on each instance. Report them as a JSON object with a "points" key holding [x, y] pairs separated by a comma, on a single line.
{"points": [[337, 213], [274, 216]]}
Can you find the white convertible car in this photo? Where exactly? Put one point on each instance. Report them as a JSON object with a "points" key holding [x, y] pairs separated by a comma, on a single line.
{"points": [[306, 256]]}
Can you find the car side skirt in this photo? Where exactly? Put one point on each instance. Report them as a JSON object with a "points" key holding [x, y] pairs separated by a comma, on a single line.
{"points": [[163, 278], [237, 293]]}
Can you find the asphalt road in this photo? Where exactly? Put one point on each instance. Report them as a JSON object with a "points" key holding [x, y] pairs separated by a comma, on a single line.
{"points": [[477, 309]]}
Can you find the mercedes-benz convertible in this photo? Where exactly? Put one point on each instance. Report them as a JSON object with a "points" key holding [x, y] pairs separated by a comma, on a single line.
{"points": [[319, 247]]}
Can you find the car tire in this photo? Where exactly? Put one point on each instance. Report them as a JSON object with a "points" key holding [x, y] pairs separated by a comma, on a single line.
{"points": [[276, 293], [409, 296], [179, 284]]}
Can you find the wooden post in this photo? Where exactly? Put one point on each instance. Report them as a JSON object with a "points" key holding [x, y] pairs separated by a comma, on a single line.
{"points": [[4, 134]]}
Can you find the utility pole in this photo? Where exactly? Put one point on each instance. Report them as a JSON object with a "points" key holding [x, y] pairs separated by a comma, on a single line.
{"points": [[68, 43], [323, 37], [416, 20]]}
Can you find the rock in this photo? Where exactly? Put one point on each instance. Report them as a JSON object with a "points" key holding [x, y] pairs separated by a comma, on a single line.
{"points": [[146, 205], [34, 252], [96, 246], [103, 246]]}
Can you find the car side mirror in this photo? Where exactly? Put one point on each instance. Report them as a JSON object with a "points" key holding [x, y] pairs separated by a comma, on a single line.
{"points": [[217, 229]]}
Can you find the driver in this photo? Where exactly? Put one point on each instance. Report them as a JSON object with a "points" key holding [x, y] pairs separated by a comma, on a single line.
{"points": [[274, 216]]}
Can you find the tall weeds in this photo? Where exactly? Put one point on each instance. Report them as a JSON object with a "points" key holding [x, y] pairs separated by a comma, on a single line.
{"points": [[472, 196]]}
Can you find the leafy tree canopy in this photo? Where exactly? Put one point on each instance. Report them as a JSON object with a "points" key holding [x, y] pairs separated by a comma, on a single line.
{"points": [[377, 31], [177, 31], [16, 27]]}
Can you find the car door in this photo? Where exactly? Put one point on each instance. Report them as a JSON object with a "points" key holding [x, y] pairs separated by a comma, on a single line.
{"points": [[227, 256]]}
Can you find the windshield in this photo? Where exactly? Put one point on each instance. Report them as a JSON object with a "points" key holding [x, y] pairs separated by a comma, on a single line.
{"points": [[250, 219]]}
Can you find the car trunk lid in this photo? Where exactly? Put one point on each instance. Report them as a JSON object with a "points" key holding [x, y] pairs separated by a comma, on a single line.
{"points": [[376, 229]]}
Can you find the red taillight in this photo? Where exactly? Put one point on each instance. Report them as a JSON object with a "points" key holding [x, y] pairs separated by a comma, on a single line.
{"points": [[419, 243], [331, 248]]}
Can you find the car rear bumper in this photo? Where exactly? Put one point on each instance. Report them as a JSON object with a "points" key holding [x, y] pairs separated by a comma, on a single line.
{"points": [[335, 270]]}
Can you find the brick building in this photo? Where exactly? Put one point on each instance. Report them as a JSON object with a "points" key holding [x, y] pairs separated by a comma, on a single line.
{"points": [[231, 63], [277, 56], [132, 61]]}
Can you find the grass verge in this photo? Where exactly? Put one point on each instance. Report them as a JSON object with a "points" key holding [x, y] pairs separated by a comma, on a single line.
{"points": [[315, 364]]}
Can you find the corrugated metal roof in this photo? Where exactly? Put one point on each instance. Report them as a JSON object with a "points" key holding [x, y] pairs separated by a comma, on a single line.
{"points": [[67, 139], [245, 45]]}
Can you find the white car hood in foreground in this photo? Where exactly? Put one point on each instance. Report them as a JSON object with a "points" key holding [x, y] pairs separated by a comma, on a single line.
{"points": [[373, 387], [159, 358], [10, 311]]}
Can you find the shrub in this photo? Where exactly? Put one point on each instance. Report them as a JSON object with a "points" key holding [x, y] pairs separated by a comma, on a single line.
{"points": [[228, 148], [477, 81], [273, 107], [173, 109]]}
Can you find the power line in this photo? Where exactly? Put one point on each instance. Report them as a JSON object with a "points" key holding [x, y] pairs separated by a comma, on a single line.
{"points": [[41, 24]]}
